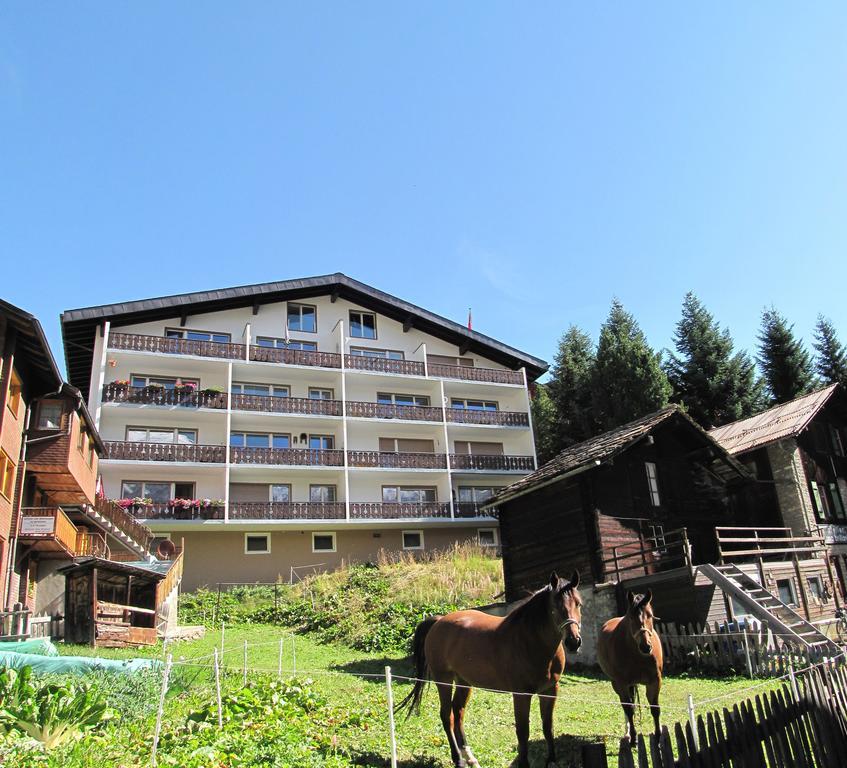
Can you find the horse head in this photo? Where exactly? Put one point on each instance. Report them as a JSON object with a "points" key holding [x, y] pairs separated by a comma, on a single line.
{"points": [[566, 609], [640, 618]]}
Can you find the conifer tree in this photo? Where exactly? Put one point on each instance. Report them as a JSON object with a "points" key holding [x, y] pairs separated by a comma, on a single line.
{"points": [[830, 357], [784, 361], [570, 388], [544, 424]]}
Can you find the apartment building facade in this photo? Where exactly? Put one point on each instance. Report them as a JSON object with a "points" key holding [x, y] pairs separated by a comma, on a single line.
{"points": [[290, 426]]}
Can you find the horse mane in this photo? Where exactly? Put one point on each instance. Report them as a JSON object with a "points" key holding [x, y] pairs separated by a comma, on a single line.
{"points": [[528, 608]]}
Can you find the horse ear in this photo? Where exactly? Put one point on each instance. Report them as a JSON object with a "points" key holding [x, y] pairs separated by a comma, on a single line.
{"points": [[648, 596], [554, 580], [630, 597], [574, 580]]}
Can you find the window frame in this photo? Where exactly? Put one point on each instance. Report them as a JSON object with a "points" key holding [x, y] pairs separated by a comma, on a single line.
{"points": [[495, 538], [395, 395], [325, 533], [816, 578], [322, 438], [359, 352], [791, 588], [320, 389], [400, 488], [172, 483], [271, 487], [15, 392], [298, 305], [334, 493], [269, 435], [8, 471], [174, 379], [256, 535], [653, 490], [281, 343], [174, 434], [473, 488], [42, 406], [465, 400], [185, 331], [361, 314], [419, 532], [271, 389]]}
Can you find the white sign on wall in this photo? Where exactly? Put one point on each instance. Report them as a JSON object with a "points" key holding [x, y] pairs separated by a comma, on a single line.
{"points": [[37, 525]]}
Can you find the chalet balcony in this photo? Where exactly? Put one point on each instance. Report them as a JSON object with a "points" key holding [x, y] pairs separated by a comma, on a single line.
{"points": [[471, 509], [295, 357], [119, 450], [49, 529], [152, 395], [389, 411], [297, 406], [471, 373], [286, 510], [484, 463], [384, 365], [122, 520], [162, 345], [383, 510], [176, 512], [493, 418], [295, 457], [397, 460]]}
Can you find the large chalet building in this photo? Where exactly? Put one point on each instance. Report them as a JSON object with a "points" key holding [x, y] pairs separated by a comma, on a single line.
{"points": [[290, 426]]}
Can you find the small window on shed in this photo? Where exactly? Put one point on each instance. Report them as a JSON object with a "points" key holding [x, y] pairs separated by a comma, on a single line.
{"points": [[257, 543], [785, 588], [323, 542], [50, 415], [487, 537], [413, 540], [653, 483]]}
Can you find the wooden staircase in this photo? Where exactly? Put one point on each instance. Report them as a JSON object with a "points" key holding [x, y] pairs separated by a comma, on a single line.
{"points": [[782, 620]]}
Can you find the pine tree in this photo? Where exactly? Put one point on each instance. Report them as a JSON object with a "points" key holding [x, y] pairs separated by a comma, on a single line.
{"points": [[830, 357], [715, 386], [783, 359], [544, 424], [570, 388], [627, 379]]}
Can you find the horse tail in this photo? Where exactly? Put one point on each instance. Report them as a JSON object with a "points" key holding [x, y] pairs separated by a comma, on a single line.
{"points": [[412, 702]]}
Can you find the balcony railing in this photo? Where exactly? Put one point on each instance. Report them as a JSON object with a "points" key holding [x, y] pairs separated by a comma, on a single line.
{"points": [[295, 357], [469, 373], [472, 509], [389, 411], [121, 393], [52, 524], [301, 406], [178, 512], [91, 545], [397, 460], [385, 365], [286, 510], [124, 521], [383, 510], [295, 457], [498, 418], [492, 463], [162, 345], [132, 451]]}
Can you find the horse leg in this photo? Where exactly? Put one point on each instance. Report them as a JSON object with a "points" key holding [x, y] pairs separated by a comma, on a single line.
{"points": [[547, 703], [445, 694], [653, 698], [522, 704], [626, 693], [460, 702]]}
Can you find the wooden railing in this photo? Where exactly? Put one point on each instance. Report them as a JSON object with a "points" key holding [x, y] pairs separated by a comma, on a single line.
{"points": [[295, 357], [397, 460], [132, 451], [62, 531], [124, 521], [295, 457], [162, 345], [385, 365], [152, 395], [173, 577], [382, 510], [492, 463], [295, 405], [389, 411], [92, 545], [469, 373], [286, 510], [646, 555], [499, 418], [736, 544]]}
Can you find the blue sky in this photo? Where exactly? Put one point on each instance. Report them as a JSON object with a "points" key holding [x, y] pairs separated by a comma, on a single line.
{"points": [[528, 160]]}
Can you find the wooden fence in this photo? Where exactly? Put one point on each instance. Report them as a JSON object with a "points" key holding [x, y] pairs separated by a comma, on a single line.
{"points": [[20, 624]]}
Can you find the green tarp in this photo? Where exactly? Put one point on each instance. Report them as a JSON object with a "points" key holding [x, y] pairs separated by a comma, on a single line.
{"points": [[40, 646], [81, 664]]}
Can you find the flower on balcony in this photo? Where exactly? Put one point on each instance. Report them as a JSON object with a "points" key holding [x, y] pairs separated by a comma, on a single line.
{"points": [[195, 503], [212, 391], [120, 383], [188, 386], [136, 501]]}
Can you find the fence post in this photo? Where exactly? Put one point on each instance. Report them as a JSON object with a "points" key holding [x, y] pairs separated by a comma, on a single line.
{"points": [[165, 677], [794, 690], [693, 720], [391, 717], [294, 655], [747, 654], [218, 691], [223, 630], [245, 662], [279, 660]]}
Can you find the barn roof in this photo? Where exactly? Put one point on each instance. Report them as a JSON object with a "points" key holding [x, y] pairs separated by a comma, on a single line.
{"points": [[777, 423], [596, 450]]}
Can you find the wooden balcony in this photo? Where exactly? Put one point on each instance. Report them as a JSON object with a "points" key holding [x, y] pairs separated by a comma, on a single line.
{"points": [[384, 365], [286, 510], [469, 373], [740, 545], [295, 357], [161, 345], [294, 457], [466, 462], [121, 393], [397, 460], [49, 529], [298, 406], [382, 510], [494, 418], [92, 545], [120, 450], [388, 411], [123, 521]]}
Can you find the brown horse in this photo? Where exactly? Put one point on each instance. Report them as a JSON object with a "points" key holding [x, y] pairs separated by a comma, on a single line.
{"points": [[521, 653], [629, 652]]}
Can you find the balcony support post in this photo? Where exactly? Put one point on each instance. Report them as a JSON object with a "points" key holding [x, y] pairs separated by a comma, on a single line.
{"points": [[344, 421], [247, 339], [529, 416], [447, 448], [227, 437], [96, 394]]}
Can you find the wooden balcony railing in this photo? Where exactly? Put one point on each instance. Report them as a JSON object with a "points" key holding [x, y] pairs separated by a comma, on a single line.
{"points": [[121, 393], [131, 451], [498, 418], [168, 512], [492, 463], [384, 365], [295, 357], [301, 406], [472, 509], [53, 525], [161, 345], [737, 545], [382, 510], [124, 521], [389, 411], [286, 510], [91, 545], [469, 373], [295, 457], [646, 554], [397, 460]]}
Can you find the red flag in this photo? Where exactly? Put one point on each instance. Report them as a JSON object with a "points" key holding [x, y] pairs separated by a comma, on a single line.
{"points": [[470, 322], [99, 491]]}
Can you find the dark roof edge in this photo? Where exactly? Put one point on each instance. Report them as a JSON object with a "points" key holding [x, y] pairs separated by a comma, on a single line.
{"points": [[25, 318]]}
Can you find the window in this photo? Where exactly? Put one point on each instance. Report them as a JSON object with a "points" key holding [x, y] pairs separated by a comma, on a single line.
{"points": [[837, 501], [321, 442], [263, 390], [363, 325], [82, 439], [392, 494], [281, 493], [382, 354], [142, 380], [477, 448], [7, 475], [473, 405], [270, 341], [302, 317], [388, 398], [323, 542], [816, 587], [257, 543], [476, 494], [157, 491], [14, 400], [785, 589], [487, 537], [837, 442], [320, 394], [406, 445], [322, 493], [653, 483], [50, 415], [259, 440], [465, 362], [175, 436], [413, 540], [184, 333], [91, 453]]}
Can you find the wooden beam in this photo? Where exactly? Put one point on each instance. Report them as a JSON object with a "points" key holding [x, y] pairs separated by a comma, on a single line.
{"points": [[463, 348], [407, 324], [183, 316], [255, 306], [333, 297], [93, 635]]}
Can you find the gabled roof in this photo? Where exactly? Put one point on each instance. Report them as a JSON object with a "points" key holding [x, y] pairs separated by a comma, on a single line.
{"points": [[34, 360], [80, 325], [596, 450], [777, 423]]}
